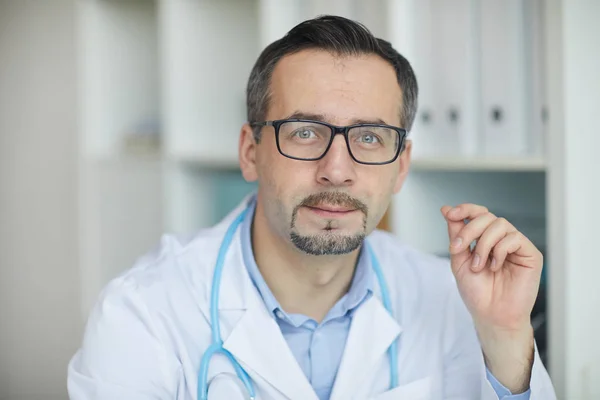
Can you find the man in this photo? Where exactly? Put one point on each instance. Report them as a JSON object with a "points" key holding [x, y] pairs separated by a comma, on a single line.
{"points": [[312, 303]]}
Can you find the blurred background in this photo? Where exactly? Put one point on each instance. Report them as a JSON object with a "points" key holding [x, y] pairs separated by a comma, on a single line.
{"points": [[119, 121]]}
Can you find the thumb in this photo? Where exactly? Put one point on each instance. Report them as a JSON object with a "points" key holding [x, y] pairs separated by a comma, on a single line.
{"points": [[454, 227]]}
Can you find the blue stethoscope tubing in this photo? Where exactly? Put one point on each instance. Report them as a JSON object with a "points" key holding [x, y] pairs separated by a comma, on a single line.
{"points": [[217, 342]]}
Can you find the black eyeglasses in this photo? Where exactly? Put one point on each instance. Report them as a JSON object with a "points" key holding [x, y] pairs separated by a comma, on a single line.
{"points": [[307, 140]]}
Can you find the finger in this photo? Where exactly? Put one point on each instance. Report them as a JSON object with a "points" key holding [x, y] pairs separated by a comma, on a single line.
{"points": [[445, 210], [458, 259], [466, 211], [453, 226], [492, 235], [517, 246], [471, 232], [508, 245]]}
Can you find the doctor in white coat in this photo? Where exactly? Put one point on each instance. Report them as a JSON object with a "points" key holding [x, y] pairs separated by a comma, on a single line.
{"points": [[299, 294]]}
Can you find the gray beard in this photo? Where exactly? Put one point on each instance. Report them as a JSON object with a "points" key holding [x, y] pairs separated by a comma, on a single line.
{"points": [[328, 242]]}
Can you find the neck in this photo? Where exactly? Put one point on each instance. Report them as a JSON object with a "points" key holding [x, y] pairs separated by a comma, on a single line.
{"points": [[301, 283]]}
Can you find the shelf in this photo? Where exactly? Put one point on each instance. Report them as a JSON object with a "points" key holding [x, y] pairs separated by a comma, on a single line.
{"points": [[212, 162], [437, 164], [120, 74], [475, 164], [123, 158]]}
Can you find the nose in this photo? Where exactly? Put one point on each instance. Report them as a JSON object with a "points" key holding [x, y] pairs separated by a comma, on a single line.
{"points": [[337, 168]]}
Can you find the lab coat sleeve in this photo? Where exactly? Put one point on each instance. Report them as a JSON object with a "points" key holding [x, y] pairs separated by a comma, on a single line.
{"points": [[465, 373], [122, 356]]}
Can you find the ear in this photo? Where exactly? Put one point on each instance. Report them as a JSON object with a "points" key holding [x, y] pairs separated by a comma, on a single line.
{"points": [[247, 153], [404, 165]]}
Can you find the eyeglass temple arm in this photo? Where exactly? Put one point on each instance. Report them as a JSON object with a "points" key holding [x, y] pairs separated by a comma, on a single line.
{"points": [[265, 123]]}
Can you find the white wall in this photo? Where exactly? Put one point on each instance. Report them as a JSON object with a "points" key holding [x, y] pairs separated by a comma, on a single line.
{"points": [[574, 195], [581, 90], [39, 297]]}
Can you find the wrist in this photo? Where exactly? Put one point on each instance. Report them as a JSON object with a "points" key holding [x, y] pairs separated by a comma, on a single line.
{"points": [[508, 355]]}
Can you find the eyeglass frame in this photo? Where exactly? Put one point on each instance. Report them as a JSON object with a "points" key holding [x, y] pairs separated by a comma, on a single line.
{"points": [[336, 130]]}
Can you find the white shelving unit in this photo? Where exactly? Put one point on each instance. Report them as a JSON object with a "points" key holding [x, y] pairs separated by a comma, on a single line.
{"points": [[471, 163], [185, 64], [208, 48], [119, 72], [121, 191]]}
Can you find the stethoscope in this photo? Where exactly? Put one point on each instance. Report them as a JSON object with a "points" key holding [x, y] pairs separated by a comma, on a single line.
{"points": [[217, 342]]}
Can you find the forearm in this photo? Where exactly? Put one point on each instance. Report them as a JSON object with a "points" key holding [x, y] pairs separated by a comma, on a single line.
{"points": [[509, 356]]}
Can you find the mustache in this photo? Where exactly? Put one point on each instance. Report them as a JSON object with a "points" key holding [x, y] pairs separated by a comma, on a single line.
{"points": [[334, 198]]}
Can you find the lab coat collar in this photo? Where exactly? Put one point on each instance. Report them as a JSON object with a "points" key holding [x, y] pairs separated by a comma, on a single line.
{"points": [[256, 341], [235, 275]]}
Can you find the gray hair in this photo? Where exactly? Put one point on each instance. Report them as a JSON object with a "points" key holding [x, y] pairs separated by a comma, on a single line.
{"points": [[340, 36]]}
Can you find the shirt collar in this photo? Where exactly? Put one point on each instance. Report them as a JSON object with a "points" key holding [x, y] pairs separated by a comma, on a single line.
{"points": [[361, 287]]}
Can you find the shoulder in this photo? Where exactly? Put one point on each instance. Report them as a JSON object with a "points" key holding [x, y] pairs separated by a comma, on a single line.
{"points": [[178, 271]]}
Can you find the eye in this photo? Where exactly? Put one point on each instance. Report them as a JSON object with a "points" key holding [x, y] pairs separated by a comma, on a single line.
{"points": [[368, 138], [304, 133]]}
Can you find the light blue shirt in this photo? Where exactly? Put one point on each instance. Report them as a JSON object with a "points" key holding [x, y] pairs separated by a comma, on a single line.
{"points": [[318, 348]]}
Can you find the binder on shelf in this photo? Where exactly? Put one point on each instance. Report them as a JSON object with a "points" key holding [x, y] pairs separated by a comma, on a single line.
{"points": [[456, 76], [411, 33], [504, 79], [536, 76]]}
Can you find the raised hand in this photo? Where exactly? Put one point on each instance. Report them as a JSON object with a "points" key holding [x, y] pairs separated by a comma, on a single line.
{"points": [[498, 280]]}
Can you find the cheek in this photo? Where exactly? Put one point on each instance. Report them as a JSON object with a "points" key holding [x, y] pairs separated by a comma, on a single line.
{"points": [[380, 189], [286, 181]]}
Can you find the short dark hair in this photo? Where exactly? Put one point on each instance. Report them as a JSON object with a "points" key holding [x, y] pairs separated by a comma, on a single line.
{"points": [[340, 36]]}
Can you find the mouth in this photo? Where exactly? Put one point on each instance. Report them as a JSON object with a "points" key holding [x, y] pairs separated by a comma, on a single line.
{"points": [[331, 211], [332, 206]]}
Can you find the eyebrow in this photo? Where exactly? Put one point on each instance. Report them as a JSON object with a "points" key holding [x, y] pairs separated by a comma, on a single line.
{"points": [[325, 118]]}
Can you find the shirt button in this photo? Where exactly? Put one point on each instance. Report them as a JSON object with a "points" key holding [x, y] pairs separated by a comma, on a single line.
{"points": [[279, 314]]}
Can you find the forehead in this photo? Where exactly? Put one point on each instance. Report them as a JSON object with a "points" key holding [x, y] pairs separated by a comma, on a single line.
{"points": [[344, 88]]}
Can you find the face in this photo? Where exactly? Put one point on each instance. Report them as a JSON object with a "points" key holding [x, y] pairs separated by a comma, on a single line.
{"points": [[329, 205]]}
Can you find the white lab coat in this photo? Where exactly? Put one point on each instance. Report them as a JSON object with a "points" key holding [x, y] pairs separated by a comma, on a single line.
{"points": [[146, 336]]}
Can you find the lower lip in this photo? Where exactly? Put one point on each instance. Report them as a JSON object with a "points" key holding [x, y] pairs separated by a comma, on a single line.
{"points": [[331, 214]]}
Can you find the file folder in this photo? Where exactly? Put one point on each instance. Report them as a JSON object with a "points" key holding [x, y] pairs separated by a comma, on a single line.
{"points": [[456, 76], [505, 95], [411, 33], [536, 76]]}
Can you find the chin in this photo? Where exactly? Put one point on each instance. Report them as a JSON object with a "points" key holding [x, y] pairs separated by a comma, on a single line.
{"points": [[327, 242]]}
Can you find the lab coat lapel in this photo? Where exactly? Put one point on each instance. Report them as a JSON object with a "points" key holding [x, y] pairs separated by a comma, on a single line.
{"points": [[255, 339], [372, 331], [249, 331], [258, 344]]}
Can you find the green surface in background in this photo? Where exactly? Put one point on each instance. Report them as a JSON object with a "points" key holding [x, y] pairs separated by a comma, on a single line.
{"points": [[229, 188]]}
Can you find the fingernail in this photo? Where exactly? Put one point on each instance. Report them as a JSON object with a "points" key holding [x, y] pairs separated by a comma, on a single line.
{"points": [[493, 264], [475, 261], [456, 242]]}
